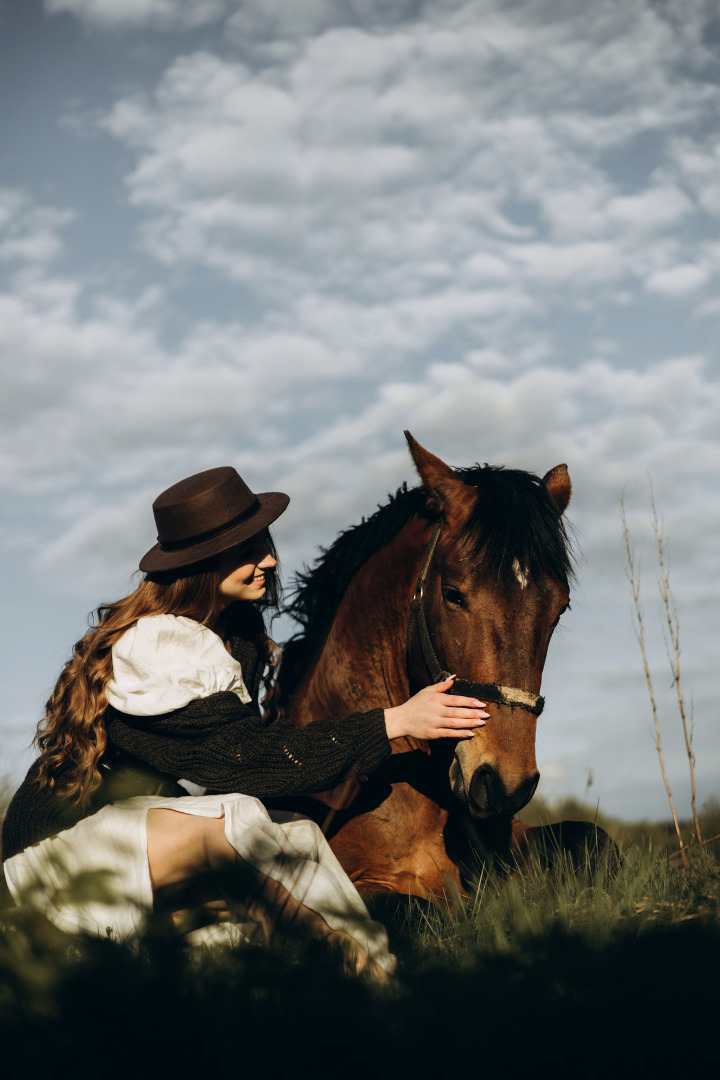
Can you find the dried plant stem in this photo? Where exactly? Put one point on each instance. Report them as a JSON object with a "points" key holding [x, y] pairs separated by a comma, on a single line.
{"points": [[634, 580], [672, 644]]}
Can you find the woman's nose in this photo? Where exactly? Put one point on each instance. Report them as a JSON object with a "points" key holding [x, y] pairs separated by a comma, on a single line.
{"points": [[266, 562]]}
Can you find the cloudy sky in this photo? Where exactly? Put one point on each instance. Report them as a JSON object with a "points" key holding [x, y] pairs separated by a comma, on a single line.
{"points": [[274, 234]]}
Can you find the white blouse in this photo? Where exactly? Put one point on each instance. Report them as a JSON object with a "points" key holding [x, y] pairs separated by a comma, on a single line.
{"points": [[165, 661]]}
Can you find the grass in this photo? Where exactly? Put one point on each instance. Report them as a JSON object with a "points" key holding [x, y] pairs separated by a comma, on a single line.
{"points": [[595, 968], [592, 904], [598, 968]]}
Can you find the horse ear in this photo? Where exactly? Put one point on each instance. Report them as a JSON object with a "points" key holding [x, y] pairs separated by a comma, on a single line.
{"points": [[558, 485], [445, 491]]}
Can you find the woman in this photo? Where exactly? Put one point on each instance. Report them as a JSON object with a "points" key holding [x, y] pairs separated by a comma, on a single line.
{"points": [[165, 688]]}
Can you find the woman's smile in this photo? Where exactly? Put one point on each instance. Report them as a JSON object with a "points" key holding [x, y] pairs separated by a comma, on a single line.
{"points": [[246, 581]]}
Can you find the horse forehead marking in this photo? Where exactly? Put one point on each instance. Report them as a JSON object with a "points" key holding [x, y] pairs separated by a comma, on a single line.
{"points": [[520, 573]]}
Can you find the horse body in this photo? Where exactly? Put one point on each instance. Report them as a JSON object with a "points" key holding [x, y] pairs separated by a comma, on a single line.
{"points": [[491, 606], [392, 837]]}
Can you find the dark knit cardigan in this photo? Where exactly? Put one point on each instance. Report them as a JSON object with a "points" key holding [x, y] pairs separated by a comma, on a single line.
{"points": [[215, 741]]}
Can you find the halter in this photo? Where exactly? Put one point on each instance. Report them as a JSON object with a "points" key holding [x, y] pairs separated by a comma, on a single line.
{"points": [[499, 695]]}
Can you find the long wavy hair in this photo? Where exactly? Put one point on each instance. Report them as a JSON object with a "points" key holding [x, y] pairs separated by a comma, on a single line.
{"points": [[72, 736]]}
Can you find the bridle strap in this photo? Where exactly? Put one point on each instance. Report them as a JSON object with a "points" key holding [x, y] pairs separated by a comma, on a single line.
{"points": [[498, 695], [416, 615]]}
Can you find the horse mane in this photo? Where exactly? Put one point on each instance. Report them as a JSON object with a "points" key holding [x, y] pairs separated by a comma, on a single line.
{"points": [[514, 518]]}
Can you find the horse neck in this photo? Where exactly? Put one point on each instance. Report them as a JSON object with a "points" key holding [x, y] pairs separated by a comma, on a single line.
{"points": [[363, 661]]}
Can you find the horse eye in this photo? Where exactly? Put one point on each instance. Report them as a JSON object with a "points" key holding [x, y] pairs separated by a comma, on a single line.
{"points": [[453, 596]]}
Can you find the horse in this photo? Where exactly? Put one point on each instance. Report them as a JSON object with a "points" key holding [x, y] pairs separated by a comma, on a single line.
{"points": [[467, 574]]}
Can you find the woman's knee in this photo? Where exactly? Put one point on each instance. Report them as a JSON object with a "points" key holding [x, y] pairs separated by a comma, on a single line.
{"points": [[219, 853], [183, 846]]}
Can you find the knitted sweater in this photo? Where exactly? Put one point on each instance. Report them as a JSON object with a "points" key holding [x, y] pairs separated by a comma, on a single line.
{"points": [[215, 741]]}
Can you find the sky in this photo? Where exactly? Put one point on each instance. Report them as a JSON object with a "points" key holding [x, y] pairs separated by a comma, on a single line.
{"points": [[274, 235]]}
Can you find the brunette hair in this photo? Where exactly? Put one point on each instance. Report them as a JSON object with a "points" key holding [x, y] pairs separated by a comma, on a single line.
{"points": [[72, 736]]}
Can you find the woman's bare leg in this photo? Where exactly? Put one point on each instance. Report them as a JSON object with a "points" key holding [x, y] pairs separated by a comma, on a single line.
{"points": [[191, 861]]}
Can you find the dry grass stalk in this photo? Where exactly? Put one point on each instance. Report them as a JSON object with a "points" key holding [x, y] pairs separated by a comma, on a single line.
{"points": [[672, 644], [634, 580]]}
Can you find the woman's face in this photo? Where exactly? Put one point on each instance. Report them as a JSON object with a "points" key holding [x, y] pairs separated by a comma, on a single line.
{"points": [[245, 581]]}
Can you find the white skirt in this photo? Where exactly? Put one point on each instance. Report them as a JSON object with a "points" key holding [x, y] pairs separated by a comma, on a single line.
{"points": [[95, 878]]}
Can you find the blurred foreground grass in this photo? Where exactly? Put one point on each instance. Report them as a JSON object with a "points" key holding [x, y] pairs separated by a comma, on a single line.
{"points": [[572, 974], [604, 968]]}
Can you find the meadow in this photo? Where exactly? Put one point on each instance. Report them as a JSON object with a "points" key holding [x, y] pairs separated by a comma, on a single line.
{"points": [[606, 967], [611, 967]]}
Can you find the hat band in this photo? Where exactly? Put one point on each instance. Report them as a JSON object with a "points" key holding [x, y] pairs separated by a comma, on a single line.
{"points": [[200, 538]]}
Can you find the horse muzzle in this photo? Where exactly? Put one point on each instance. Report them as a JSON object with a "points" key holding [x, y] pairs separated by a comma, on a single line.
{"points": [[488, 794]]}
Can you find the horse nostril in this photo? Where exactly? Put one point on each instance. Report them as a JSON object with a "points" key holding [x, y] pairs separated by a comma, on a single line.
{"points": [[487, 795], [485, 790], [525, 792]]}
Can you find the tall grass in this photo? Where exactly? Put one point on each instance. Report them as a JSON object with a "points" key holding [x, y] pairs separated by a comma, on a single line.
{"points": [[577, 968], [594, 902], [671, 637]]}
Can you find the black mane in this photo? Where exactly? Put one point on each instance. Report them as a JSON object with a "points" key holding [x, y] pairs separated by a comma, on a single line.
{"points": [[514, 518]]}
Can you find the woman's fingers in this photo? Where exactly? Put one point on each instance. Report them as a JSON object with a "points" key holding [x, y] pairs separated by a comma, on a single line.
{"points": [[459, 706], [454, 726], [456, 732], [451, 702], [434, 714], [458, 719], [461, 717]]}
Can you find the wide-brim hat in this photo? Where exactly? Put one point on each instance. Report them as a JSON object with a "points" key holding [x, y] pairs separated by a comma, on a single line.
{"points": [[206, 514]]}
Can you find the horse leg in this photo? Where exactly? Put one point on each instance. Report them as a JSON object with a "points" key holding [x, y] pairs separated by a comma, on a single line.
{"points": [[398, 847], [582, 843], [505, 844], [476, 845]]}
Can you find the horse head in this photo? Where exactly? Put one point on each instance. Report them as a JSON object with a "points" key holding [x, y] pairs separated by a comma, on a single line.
{"points": [[495, 585]]}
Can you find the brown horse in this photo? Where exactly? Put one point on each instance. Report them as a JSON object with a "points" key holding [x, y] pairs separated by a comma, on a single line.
{"points": [[467, 574]]}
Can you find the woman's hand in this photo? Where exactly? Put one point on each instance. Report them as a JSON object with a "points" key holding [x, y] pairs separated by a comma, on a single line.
{"points": [[434, 714]]}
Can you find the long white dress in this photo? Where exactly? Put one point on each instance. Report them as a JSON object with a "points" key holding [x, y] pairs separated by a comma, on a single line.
{"points": [[94, 877]]}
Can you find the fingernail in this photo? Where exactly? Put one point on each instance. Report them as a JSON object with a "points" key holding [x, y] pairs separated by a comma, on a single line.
{"points": [[452, 676]]}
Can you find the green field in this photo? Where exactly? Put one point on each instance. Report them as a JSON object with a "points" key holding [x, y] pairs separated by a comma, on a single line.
{"points": [[608, 968]]}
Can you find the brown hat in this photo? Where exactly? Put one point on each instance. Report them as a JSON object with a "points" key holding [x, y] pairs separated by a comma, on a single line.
{"points": [[206, 514]]}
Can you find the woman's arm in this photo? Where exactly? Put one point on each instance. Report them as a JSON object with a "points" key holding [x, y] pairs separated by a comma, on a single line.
{"points": [[219, 742]]}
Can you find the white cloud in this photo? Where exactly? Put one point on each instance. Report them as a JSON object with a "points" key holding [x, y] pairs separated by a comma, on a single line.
{"points": [[656, 208], [165, 14], [215, 401], [589, 262], [29, 233], [699, 166], [390, 160], [262, 21], [677, 280]]}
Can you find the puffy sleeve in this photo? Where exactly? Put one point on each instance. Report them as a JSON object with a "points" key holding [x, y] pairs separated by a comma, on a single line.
{"points": [[166, 661]]}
